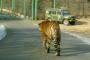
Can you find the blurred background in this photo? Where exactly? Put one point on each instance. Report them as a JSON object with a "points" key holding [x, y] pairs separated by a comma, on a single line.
{"points": [[34, 9]]}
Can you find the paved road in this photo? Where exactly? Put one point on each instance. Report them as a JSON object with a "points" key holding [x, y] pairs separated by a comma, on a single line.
{"points": [[23, 43]]}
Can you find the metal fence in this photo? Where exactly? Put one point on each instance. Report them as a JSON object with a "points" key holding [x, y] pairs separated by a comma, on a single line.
{"points": [[34, 8], [18, 7]]}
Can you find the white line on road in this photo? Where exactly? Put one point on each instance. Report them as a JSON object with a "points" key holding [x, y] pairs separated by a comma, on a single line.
{"points": [[84, 39]]}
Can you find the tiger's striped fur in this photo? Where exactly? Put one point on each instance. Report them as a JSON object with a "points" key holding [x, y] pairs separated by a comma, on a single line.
{"points": [[50, 31]]}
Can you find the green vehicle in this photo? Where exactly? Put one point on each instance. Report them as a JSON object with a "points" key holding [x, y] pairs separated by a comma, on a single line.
{"points": [[62, 15]]}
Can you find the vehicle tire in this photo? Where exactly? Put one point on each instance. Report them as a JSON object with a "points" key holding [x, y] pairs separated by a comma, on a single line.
{"points": [[66, 22], [72, 23]]}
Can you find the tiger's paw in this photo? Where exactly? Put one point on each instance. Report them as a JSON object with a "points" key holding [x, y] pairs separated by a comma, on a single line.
{"points": [[48, 50], [57, 54]]}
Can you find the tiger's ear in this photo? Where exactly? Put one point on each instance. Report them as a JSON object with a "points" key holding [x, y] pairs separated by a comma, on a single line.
{"points": [[39, 23]]}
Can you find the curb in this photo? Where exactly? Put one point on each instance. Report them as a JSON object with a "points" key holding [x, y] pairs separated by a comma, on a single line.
{"points": [[3, 32]]}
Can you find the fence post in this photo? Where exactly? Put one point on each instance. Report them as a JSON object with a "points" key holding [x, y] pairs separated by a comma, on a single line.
{"points": [[13, 6], [54, 4], [24, 8], [1, 6], [34, 9]]}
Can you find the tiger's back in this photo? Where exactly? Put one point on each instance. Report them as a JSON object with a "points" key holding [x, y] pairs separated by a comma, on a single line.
{"points": [[50, 28]]}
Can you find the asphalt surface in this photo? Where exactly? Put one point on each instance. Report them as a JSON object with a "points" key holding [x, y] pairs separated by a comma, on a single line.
{"points": [[23, 43]]}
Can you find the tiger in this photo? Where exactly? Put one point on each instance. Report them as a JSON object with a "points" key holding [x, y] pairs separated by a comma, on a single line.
{"points": [[50, 31]]}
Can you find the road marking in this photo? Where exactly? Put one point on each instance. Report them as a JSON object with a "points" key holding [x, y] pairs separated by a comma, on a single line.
{"points": [[84, 39]]}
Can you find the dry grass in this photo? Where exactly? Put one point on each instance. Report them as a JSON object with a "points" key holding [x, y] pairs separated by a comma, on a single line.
{"points": [[82, 27]]}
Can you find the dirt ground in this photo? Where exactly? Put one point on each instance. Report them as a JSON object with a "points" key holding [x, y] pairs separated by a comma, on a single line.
{"points": [[82, 27]]}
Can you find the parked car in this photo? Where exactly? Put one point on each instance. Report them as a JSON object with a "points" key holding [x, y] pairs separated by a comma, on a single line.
{"points": [[63, 15]]}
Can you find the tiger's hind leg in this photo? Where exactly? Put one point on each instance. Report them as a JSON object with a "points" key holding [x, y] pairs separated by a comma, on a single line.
{"points": [[57, 47], [48, 47], [46, 43], [44, 40], [58, 50]]}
